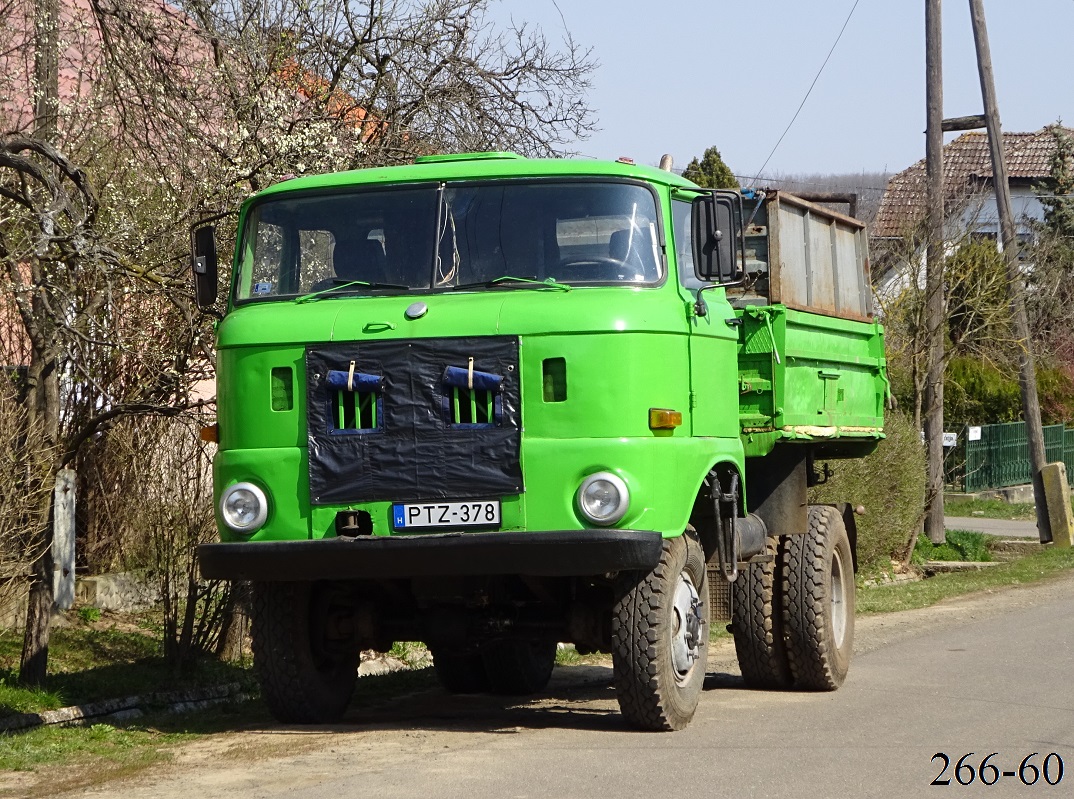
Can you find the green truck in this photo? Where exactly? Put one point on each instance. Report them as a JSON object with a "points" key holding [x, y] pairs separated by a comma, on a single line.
{"points": [[495, 404]]}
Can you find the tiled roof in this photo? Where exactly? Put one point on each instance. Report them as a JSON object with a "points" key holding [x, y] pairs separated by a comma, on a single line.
{"points": [[966, 164]]}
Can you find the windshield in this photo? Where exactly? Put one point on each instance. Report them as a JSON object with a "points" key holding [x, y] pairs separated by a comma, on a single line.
{"points": [[446, 237]]}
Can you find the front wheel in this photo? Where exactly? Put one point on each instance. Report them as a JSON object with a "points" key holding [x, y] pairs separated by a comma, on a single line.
{"points": [[660, 636], [818, 601], [307, 674]]}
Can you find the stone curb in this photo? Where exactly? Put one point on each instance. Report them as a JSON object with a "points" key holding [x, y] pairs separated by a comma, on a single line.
{"points": [[128, 707], [938, 566]]}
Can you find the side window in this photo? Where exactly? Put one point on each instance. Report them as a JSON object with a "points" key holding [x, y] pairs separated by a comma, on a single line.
{"points": [[287, 261], [268, 247], [684, 249]]}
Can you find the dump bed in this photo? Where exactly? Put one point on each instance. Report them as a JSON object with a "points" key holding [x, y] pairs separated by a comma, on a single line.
{"points": [[811, 356], [806, 257]]}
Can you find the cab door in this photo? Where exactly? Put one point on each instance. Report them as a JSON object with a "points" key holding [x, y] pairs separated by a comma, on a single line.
{"points": [[713, 337]]}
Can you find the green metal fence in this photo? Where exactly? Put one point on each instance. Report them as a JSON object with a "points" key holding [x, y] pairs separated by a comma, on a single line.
{"points": [[998, 455], [1068, 454]]}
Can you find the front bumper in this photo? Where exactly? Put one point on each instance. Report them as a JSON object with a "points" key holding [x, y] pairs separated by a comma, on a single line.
{"points": [[559, 553]]}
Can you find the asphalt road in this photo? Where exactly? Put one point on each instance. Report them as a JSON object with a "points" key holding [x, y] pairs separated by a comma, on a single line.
{"points": [[1011, 528], [982, 674]]}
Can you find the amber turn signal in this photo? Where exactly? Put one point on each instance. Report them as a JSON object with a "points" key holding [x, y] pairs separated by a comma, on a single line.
{"points": [[209, 434], [664, 419]]}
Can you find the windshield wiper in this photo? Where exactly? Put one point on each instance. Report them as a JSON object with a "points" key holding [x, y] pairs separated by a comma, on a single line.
{"points": [[503, 280], [343, 283]]}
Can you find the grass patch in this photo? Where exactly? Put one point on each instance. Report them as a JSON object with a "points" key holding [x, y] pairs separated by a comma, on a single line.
{"points": [[80, 756], [88, 664], [89, 614], [960, 545], [905, 596], [16, 699], [567, 655], [129, 749], [990, 509], [414, 654], [96, 660], [718, 631]]}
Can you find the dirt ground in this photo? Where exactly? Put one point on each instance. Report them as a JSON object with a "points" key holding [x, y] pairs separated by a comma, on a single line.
{"points": [[394, 731]]}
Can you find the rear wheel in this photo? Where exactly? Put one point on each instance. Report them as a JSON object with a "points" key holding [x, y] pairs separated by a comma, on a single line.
{"points": [[818, 606], [757, 622], [516, 667], [307, 671], [660, 635]]}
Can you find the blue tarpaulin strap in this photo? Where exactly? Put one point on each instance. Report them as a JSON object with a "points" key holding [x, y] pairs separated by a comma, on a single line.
{"points": [[359, 382], [459, 377]]}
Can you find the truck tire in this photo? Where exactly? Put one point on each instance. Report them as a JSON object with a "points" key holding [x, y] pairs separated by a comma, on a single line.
{"points": [[660, 636], [303, 681], [460, 672], [518, 667], [818, 601], [757, 623]]}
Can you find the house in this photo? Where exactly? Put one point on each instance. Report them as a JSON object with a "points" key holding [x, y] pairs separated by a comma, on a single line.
{"points": [[969, 199]]}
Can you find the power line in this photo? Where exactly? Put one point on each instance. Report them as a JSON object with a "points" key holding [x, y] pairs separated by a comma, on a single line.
{"points": [[810, 91], [817, 183]]}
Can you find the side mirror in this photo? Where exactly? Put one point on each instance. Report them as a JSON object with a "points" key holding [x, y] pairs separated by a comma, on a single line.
{"points": [[716, 220], [204, 265]]}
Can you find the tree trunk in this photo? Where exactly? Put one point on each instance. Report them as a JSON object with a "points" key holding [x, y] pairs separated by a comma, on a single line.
{"points": [[46, 68], [235, 624], [185, 648], [34, 666], [43, 400], [170, 608], [43, 417]]}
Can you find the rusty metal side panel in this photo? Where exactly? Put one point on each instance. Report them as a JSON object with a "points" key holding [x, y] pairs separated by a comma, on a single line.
{"points": [[818, 259], [853, 289]]}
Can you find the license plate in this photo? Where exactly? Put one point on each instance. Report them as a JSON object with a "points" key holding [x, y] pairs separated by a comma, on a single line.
{"points": [[450, 515]]}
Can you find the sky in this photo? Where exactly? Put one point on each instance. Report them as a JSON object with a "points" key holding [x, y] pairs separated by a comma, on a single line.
{"points": [[681, 75]]}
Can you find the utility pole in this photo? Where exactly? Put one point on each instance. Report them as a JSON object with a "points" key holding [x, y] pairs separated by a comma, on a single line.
{"points": [[1027, 374], [934, 294]]}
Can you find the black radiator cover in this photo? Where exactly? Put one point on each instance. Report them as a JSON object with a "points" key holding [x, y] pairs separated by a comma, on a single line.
{"points": [[414, 454]]}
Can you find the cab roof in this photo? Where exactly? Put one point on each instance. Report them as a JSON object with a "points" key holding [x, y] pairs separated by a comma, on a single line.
{"points": [[478, 166]]}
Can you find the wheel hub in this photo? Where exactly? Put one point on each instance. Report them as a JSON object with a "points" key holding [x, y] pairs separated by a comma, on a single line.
{"points": [[687, 630], [838, 600]]}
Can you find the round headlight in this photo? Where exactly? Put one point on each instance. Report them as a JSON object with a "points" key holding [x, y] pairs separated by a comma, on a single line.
{"points": [[244, 507], [603, 498]]}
